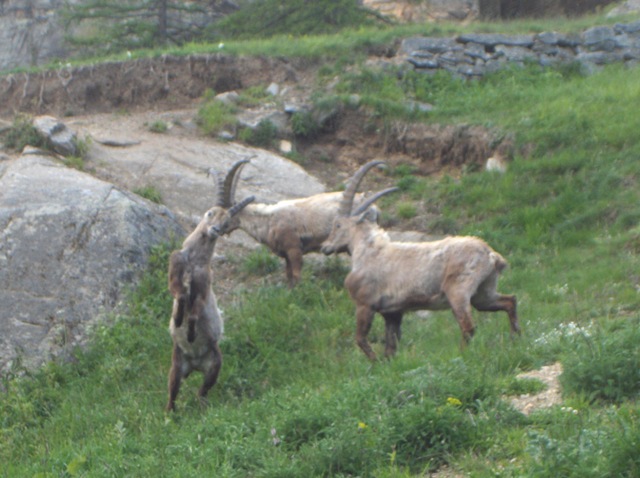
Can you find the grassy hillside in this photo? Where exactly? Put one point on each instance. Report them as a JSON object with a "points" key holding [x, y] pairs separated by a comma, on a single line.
{"points": [[296, 398]]}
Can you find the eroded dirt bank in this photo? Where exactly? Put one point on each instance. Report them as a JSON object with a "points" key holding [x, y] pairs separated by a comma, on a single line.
{"points": [[165, 82]]}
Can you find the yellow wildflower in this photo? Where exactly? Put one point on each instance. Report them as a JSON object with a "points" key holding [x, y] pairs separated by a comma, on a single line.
{"points": [[454, 402]]}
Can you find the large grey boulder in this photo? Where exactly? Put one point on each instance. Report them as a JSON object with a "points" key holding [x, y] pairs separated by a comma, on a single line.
{"points": [[69, 245]]}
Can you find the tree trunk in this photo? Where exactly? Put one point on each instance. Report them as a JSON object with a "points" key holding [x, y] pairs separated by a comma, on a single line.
{"points": [[162, 21]]}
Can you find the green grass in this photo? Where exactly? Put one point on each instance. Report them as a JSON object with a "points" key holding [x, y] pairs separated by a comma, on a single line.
{"points": [[297, 398], [149, 192]]}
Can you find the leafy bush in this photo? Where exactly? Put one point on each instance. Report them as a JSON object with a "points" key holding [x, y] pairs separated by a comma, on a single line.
{"points": [[214, 116], [406, 210], [23, 133], [304, 125], [606, 364], [253, 96], [263, 135]]}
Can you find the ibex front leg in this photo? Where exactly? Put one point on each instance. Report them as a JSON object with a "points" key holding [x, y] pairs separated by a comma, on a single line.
{"points": [[364, 319]]}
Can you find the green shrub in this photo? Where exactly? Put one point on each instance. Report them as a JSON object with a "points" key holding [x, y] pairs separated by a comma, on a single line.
{"points": [[605, 364], [23, 133], [264, 135], [304, 125], [253, 96], [214, 116], [406, 210]]}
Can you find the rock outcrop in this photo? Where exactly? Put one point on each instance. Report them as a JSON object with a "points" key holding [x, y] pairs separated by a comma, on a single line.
{"points": [[69, 246]]}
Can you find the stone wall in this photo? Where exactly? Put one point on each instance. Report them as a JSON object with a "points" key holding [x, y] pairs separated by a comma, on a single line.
{"points": [[474, 54]]}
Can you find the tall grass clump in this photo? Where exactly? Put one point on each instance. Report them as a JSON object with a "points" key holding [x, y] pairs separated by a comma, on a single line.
{"points": [[260, 262]]}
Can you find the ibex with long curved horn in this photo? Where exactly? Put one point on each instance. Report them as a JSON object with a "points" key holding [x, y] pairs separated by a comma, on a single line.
{"points": [[391, 278], [294, 227], [195, 347]]}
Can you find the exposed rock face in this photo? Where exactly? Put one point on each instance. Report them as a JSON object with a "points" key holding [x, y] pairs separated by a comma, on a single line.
{"points": [[69, 244], [30, 33]]}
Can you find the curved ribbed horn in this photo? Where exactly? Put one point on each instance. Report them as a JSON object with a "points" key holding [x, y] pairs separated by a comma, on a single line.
{"points": [[219, 186], [236, 208], [365, 205], [227, 192], [349, 193]]}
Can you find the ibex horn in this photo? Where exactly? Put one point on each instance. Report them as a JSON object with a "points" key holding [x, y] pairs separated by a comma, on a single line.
{"points": [[363, 207], [349, 193], [227, 188], [236, 208]]}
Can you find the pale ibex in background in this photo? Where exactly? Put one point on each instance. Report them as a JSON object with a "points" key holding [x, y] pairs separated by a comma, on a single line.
{"points": [[394, 277], [195, 347], [294, 227]]}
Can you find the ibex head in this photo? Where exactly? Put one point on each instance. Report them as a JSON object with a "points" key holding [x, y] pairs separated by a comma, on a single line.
{"points": [[221, 216], [348, 219]]}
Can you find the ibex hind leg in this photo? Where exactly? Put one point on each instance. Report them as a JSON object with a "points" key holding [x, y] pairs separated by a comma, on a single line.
{"points": [[211, 374], [393, 322], [175, 377], [507, 303]]}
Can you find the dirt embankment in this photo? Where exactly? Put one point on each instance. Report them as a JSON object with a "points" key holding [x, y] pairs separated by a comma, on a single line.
{"points": [[161, 83]]}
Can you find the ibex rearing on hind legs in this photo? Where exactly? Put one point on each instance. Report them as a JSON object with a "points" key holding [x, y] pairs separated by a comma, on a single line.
{"points": [[195, 347], [391, 278]]}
